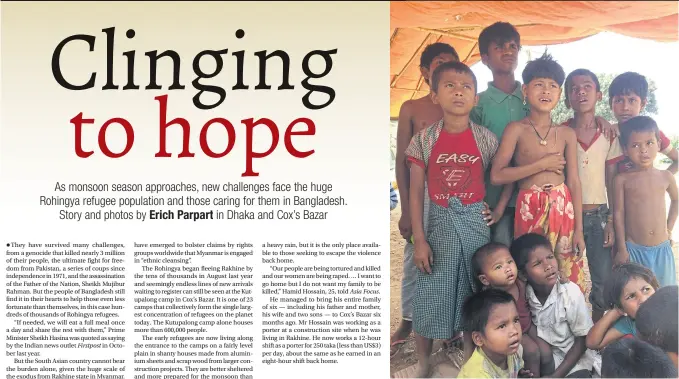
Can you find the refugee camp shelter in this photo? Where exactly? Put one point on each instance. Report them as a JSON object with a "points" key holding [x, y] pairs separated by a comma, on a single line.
{"points": [[414, 25]]}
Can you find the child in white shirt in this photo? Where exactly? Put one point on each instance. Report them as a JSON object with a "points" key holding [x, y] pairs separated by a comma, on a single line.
{"points": [[558, 310]]}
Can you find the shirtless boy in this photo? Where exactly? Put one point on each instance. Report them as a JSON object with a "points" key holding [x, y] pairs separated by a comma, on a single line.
{"points": [[627, 96], [502, 103], [642, 225], [414, 116], [549, 201]]}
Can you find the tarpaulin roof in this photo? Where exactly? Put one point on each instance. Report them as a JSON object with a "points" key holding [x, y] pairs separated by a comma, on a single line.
{"points": [[414, 25]]}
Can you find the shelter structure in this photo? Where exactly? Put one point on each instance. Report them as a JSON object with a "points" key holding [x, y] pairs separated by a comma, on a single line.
{"points": [[415, 24]]}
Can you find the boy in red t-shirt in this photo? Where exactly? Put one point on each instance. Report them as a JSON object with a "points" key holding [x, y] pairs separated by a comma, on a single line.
{"points": [[452, 156]]}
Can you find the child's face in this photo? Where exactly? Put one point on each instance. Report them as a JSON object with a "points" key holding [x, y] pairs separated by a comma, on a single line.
{"points": [[498, 269], [627, 106], [502, 58], [583, 95], [502, 334], [437, 61], [542, 94], [642, 148], [635, 293], [542, 267], [456, 93]]}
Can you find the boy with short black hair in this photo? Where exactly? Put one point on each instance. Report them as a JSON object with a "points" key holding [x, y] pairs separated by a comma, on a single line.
{"points": [[597, 159], [633, 358], [657, 321], [500, 104], [542, 158], [414, 116], [559, 310], [627, 96], [642, 224], [451, 157], [493, 321]]}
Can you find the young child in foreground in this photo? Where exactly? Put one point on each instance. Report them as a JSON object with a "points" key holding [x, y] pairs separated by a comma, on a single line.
{"points": [[549, 198], [452, 157], [642, 224], [559, 310], [627, 96], [494, 267], [493, 321], [657, 321], [633, 358], [629, 286], [597, 161]]}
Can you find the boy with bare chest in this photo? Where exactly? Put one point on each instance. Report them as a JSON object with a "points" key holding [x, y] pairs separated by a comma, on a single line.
{"points": [[642, 224], [544, 158]]}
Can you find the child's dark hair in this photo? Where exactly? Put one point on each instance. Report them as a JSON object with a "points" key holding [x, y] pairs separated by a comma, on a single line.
{"points": [[434, 50], [480, 255], [619, 278], [450, 66], [657, 320], [499, 32], [526, 244], [477, 307], [638, 124], [569, 82], [628, 83], [543, 67], [633, 358]]}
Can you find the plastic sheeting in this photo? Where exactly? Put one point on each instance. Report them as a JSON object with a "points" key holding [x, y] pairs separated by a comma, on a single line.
{"points": [[414, 25]]}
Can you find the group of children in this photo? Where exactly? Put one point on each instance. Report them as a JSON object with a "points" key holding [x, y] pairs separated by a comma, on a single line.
{"points": [[499, 205]]}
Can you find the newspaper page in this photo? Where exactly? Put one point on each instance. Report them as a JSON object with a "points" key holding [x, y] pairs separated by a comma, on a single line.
{"points": [[194, 190]]}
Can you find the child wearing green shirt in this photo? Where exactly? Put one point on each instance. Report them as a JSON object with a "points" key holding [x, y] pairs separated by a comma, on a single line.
{"points": [[499, 105]]}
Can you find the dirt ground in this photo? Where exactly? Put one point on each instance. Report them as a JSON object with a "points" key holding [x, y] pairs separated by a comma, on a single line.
{"points": [[406, 356]]}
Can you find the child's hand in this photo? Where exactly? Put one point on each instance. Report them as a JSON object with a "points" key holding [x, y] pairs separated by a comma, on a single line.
{"points": [[491, 217], [619, 312], [563, 279], [525, 373], [609, 234], [554, 162], [605, 127], [405, 227], [622, 256], [423, 256], [669, 236], [579, 245]]}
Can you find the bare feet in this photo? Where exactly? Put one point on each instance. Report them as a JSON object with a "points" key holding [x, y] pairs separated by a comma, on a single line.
{"points": [[455, 340], [423, 369], [400, 336], [423, 346]]}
